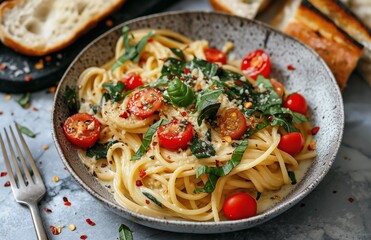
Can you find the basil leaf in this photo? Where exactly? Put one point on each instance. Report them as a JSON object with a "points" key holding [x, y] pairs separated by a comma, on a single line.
{"points": [[299, 118], [71, 99], [125, 233], [202, 149], [268, 97], [292, 177], [258, 195], [152, 198], [206, 98], [25, 130], [178, 52], [208, 69], [158, 83], [114, 90], [131, 52], [285, 122], [180, 94], [172, 68], [208, 112], [25, 100], [216, 172], [99, 150], [147, 139], [257, 127], [208, 135], [96, 108]]}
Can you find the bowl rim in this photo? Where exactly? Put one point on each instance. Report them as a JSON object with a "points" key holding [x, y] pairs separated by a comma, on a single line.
{"points": [[280, 207]]}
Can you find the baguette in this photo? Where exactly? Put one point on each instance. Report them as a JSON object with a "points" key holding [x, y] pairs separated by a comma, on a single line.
{"points": [[355, 27], [362, 8], [241, 8], [340, 51], [39, 27]]}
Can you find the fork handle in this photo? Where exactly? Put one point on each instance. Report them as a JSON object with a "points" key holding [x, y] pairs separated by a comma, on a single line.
{"points": [[37, 222]]}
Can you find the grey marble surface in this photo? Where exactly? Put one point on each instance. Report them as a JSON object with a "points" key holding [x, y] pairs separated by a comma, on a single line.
{"points": [[339, 208]]}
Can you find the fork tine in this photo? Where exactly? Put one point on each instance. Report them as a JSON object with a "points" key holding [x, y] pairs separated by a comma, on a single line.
{"points": [[29, 156], [25, 168], [7, 164], [19, 174]]}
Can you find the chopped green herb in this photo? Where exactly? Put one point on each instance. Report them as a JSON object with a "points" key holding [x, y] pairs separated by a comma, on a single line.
{"points": [[99, 150], [292, 177], [152, 198], [180, 94], [178, 52], [216, 172], [125, 233], [202, 149], [147, 139], [208, 112], [131, 52], [71, 99], [25, 100], [114, 90], [25, 130], [258, 195]]}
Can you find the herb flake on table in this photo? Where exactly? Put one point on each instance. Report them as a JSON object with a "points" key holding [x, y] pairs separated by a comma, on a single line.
{"points": [[25, 100], [25, 130], [125, 233]]}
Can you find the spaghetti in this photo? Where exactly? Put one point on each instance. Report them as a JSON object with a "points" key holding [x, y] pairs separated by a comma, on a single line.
{"points": [[157, 179]]}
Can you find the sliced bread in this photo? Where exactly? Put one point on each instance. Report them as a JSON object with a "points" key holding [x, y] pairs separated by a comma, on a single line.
{"points": [[39, 27], [241, 8]]}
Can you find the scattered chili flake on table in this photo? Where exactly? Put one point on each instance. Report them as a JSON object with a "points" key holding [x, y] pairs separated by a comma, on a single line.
{"points": [[55, 179], [7, 184], [39, 64], [55, 230], [34, 109], [2, 66], [46, 147], [290, 67], [3, 174], [28, 78], [48, 210], [66, 202], [315, 130], [90, 222], [83, 237], [351, 199], [52, 89], [48, 58], [1, 112]]}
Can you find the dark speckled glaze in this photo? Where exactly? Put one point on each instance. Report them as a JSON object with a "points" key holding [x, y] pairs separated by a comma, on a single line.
{"points": [[311, 77]]}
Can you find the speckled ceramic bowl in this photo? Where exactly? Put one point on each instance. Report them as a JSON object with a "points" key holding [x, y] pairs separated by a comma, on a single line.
{"points": [[311, 77]]}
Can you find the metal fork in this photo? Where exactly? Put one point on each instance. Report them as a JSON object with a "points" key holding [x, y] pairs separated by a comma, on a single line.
{"points": [[27, 192]]}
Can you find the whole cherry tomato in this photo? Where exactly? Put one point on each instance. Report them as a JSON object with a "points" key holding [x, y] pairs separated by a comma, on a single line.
{"points": [[296, 103], [292, 143], [239, 206]]}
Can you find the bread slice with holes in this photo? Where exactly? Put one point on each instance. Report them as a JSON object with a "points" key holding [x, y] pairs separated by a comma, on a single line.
{"points": [[39, 27], [341, 52], [243, 8]]}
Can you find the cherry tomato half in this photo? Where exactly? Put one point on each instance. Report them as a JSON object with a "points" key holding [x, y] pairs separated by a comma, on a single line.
{"points": [[132, 81], [145, 102], [296, 103], [214, 55], [175, 135], [256, 63], [292, 143], [278, 87], [82, 129], [239, 206], [233, 123]]}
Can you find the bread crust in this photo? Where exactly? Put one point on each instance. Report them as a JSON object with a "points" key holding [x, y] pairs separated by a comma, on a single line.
{"points": [[338, 49], [217, 6], [7, 39]]}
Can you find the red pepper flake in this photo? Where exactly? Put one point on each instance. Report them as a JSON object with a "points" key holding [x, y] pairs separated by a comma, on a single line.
{"points": [[3, 174], [186, 70], [28, 78], [65, 199], [154, 143], [142, 173], [2, 66], [48, 58], [138, 183], [68, 204], [124, 115], [103, 165], [147, 201], [54, 230], [83, 237], [109, 23], [290, 67], [7, 184], [351, 199], [35, 109], [184, 114], [217, 163], [90, 222], [312, 146], [270, 118], [1, 112], [315, 130], [150, 40], [192, 108], [48, 210]]}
